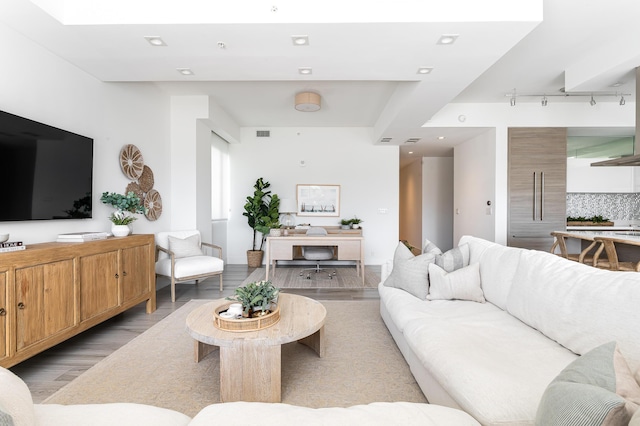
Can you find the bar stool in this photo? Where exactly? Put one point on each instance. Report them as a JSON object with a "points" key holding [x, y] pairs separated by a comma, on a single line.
{"points": [[590, 255], [609, 244]]}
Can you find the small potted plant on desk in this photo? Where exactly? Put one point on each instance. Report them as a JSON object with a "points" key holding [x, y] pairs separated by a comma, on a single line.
{"points": [[355, 222], [126, 206], [345, 224]]}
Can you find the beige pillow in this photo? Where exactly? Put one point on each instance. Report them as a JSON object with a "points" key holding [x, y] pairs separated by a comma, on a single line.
{"points": [[461, 284], [185, 247], [410, 273]]}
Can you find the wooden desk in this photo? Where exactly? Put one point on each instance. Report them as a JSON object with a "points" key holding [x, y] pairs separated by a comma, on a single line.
{"points": [[349, 247]]}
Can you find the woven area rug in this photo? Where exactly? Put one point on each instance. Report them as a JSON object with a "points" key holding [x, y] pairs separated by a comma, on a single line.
{"points": [[362, 365], [289, 277]]}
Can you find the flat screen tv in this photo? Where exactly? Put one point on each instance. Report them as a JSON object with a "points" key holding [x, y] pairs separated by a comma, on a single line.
{"points": [[45, 172]]}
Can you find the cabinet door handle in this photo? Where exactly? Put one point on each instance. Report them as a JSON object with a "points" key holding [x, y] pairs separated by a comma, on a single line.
{"points": [[2, 312], [535, 194], [117, 276], [541, 195], [21, 305], [124, 273]]}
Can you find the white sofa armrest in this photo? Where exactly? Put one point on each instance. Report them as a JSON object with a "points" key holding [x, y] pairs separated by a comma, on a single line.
{"points": [[385, 269]]}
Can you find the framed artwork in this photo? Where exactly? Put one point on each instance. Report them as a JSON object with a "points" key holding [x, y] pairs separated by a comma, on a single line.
{"points": [[318, 200]]}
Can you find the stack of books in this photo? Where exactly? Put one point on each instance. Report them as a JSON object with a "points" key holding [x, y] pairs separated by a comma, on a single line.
{"points": [[80, 237], [11, 246]]}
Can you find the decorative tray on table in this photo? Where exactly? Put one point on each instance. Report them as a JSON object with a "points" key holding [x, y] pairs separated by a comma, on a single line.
{"points": [[244, 324]]}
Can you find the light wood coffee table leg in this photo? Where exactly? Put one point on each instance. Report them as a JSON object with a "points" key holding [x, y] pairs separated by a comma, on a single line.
{"points": [[250, 371], [315, 342], [201, 350]]}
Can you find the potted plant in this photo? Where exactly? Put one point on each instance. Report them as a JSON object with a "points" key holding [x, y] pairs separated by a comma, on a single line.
{"points": [[126, 206], [256, 298], [261, 210], [355, 222], [345, 223]]}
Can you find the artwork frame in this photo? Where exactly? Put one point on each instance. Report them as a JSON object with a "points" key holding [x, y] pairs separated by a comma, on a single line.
{"points": [[318, 200]]}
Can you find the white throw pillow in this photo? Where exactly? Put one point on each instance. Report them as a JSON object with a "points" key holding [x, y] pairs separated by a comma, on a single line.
{"points": [[430, 247], [461, 284], [186, 247], [410, 273], [453, 259]]}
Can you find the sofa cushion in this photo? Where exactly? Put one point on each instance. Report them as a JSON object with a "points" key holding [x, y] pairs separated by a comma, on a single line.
{"points": [[462, 284], [15, 399], [185, 247], [410, 273], [378, 413], [635, 420], [595, 389], [576, 305], [108, 414], [488, 361], [453, 259], [190, 266]]}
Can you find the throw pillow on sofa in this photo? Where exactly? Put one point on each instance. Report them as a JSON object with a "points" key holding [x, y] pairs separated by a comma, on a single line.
{"points": [[410, 273], [453, 259], [597, 388], [461, 284], [430, 247]]}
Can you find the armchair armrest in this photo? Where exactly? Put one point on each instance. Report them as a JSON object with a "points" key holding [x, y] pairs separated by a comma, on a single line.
{"points": [[214, 247], [162, 249]]}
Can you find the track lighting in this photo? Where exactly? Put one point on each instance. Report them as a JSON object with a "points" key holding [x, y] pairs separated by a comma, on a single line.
{"points": [[544, 101], [592, 102], [544, 98], [622, 101], [513, 101]]}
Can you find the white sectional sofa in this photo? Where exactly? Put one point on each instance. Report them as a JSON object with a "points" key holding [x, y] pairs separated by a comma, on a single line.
{"points": [[494, 360]]}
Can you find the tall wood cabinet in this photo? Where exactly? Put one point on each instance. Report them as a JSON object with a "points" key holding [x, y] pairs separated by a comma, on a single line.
{"points": [[53, 291], [536, 186]]}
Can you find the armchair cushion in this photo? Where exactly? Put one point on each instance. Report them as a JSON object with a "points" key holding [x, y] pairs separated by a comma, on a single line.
{"points": [[190, 266], [185, 247]]}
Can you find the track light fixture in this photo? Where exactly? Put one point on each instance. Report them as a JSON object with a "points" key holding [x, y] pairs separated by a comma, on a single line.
{"points": [[544, 101]]}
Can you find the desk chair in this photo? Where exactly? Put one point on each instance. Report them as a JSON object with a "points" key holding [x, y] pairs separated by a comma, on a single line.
{"points": [[317, 253]]}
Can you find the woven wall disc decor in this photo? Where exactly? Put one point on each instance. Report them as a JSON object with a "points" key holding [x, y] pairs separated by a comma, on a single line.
{"points": [[131, 161], [153, 203], [135, 188], [146, 179]]}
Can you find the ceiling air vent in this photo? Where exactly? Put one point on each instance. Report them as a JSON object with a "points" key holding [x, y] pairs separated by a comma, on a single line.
{"points": [[263, 133], [385, 140], [412, 140]]}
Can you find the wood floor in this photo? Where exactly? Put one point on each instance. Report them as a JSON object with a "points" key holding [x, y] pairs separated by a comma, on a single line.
{"points": [[47, 372]]}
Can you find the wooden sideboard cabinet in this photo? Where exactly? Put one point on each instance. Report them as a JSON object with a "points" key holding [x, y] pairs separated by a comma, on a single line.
{"points": [[53, 291]]}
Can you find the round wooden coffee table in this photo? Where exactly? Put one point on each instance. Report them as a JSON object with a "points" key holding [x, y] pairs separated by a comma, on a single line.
{"points": [[250, 362]]}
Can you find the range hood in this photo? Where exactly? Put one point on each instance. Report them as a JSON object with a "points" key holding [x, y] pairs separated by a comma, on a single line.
{"points": [[631, 160]]}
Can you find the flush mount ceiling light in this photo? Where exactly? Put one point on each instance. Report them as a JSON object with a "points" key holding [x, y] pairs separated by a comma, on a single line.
{"points": [[425, 70], [300, 40], [185, 71], [448, 38], [155, 41], [305, 70], [307, 102]]}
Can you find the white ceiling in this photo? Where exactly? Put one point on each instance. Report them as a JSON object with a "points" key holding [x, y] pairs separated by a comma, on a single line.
{"points": [[365, 72]]}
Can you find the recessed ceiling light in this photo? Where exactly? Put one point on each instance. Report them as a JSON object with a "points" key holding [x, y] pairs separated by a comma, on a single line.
{"points": [[410, 152], [616, 84], [300, 40], [305, 70], [155, 41], [222, 45], [185, 71], [441, 138], [425, 70], [447, 39]]}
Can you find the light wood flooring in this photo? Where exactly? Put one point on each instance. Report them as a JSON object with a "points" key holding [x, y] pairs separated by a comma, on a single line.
{"points": [[50, 370]]}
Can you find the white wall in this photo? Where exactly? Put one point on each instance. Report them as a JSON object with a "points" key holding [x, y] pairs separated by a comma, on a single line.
{"points": [[475, 166], [501, 116], [367, 175], [40, 86], [437, 201]]}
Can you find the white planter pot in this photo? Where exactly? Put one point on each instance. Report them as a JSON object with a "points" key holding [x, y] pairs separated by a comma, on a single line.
{"points": [[120, 230]]}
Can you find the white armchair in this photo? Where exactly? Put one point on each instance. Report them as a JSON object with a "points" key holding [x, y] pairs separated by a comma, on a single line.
{"points": [[181, 256]]}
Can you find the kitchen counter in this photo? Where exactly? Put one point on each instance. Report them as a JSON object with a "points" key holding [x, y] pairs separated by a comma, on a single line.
{"points": [[602, 228]]}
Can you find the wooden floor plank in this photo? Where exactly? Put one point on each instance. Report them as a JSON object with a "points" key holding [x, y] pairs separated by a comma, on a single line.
{"points": [[50, 370]]}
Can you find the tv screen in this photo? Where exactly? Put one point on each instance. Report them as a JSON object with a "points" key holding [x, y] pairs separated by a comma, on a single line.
{"points": [[45, 172]]}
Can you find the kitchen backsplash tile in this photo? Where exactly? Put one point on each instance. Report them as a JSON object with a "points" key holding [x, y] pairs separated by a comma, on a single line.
{"points": [[617, 206]]}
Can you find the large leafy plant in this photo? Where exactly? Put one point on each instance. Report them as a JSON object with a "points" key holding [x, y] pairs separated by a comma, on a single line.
{"points": [[125, 205], [261, 211]]}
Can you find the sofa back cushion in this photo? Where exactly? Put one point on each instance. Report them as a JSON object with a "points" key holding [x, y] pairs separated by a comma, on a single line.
{"points": [[498, 266], [15, 399], [578, 306]]}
